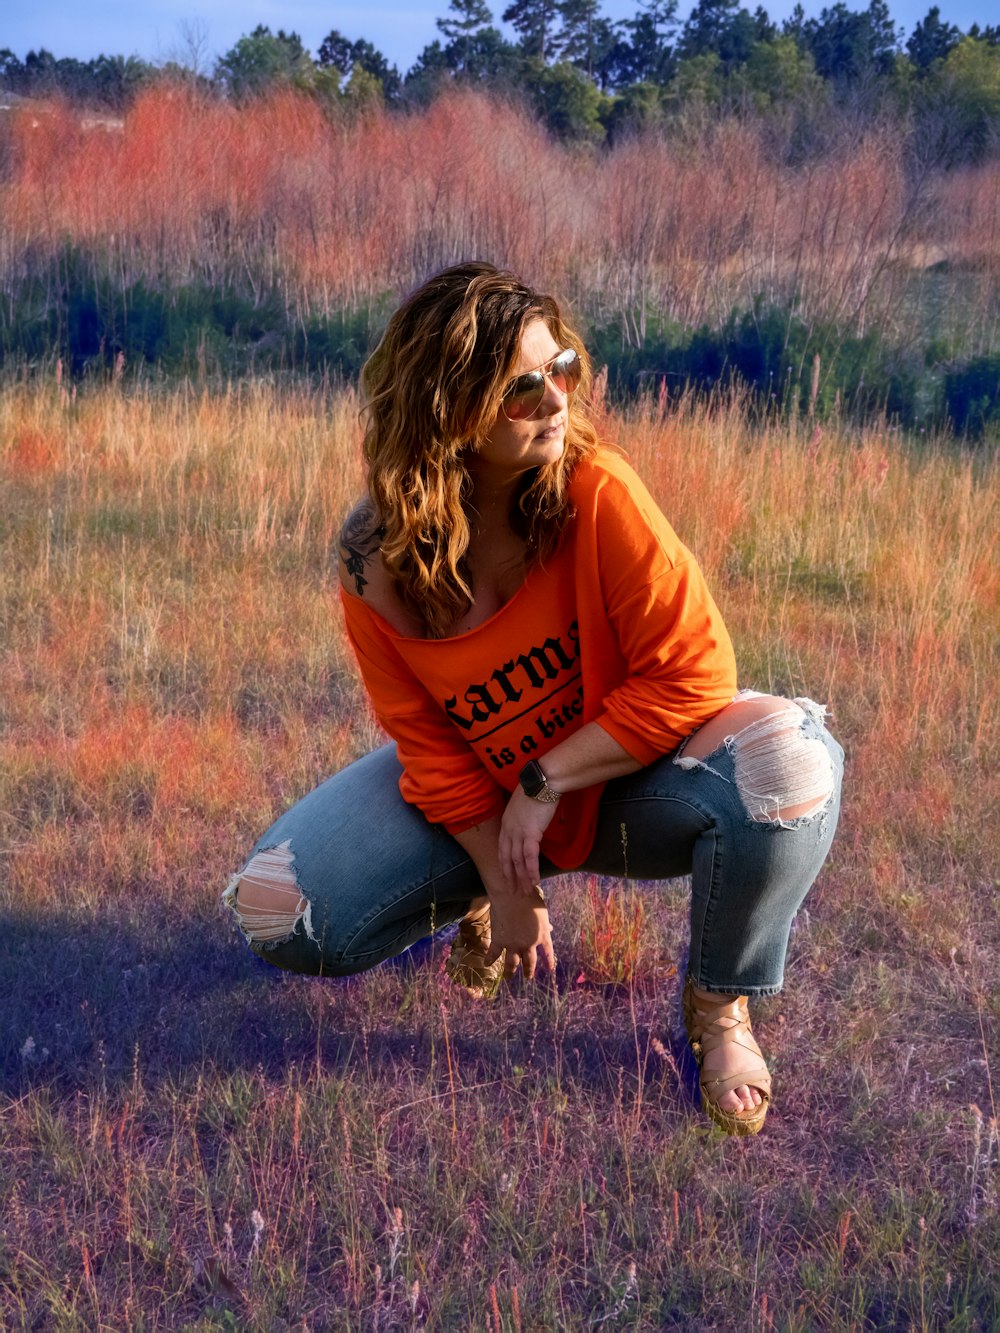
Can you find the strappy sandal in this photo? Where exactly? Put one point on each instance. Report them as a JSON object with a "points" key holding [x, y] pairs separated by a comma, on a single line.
{"points": [[709, 1024], [466, 964]]}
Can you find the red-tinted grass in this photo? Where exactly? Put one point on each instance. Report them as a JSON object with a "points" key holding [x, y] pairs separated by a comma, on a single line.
{"points": [[279, 196]]}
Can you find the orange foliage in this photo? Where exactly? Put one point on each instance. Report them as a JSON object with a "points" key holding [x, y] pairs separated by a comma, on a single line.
{"points": [[172, 664], [612, 934], [280, 196], [32, 451], [128, 753]]}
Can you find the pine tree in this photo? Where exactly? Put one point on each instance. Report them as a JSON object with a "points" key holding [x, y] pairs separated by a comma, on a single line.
{"points": [[338, 52], [465, 32], [471, 15], [649, 55], [580, 35], [721, 27], [535, 23], [931, 39], [848, 46], [263, 60]]}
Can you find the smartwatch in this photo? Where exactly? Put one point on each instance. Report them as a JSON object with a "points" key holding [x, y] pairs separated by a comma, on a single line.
{"points": [[534, 784]]}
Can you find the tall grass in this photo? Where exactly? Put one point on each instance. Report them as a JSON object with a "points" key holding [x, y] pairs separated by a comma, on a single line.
{"points": [[276, 200], [191, 1139]]}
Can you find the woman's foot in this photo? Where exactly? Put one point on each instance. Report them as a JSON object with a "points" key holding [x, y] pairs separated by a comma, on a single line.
{"points": [[735, 1083], [466, 964]]}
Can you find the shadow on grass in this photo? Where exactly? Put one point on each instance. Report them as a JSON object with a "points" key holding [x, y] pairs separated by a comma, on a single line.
{"points": [[86, 1001]]}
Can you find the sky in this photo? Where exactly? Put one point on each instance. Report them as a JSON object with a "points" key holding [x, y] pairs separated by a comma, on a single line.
{"points": [[156, 29]]}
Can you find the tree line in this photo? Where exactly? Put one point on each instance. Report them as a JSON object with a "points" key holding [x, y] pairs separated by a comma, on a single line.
{"points": [[588, 78]]}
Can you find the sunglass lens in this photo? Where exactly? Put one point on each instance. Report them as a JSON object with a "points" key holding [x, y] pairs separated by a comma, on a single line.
{"points": [[566, 371], [525, 395]]}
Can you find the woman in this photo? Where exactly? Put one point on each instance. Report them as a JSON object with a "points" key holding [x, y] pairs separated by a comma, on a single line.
{"points": [[560, 689]]}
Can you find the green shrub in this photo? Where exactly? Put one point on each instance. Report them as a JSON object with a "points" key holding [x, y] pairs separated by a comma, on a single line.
{"points": [[772, 351], [74, 310], [972, 396]]}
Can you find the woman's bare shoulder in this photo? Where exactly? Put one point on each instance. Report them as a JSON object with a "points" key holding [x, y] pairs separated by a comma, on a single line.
{"points": [[359, 543], [363, 573]]}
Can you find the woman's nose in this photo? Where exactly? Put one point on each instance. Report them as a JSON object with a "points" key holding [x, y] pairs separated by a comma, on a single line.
{"points": [[553, 399]]}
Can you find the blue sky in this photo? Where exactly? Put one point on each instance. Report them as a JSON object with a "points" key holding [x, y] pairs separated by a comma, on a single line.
{"points": [[154, 29]]}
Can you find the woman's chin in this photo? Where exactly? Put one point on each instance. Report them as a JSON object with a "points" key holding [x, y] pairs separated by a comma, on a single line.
{"points": [[550, 447]]}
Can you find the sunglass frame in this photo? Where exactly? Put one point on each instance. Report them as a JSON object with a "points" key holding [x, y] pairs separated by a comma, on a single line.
{"points": [[531, 385]]}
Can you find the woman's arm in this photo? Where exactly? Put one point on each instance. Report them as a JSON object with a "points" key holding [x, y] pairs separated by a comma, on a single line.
{"points": [[680, 669], [587, 757], [442, 776], [678, 661], [505, 850], [519, 921]]}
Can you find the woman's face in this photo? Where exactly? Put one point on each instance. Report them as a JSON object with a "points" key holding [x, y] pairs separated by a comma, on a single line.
{"points": [[514, 447]]}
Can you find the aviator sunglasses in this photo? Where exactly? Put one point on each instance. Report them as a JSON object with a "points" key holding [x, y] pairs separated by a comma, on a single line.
{"points": [[524, 396]]}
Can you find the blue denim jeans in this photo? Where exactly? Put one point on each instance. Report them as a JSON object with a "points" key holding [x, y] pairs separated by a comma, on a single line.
{"points": [[366, 875]]}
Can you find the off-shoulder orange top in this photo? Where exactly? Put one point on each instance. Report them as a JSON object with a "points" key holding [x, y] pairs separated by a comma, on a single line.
{"points": [[617, 628]]}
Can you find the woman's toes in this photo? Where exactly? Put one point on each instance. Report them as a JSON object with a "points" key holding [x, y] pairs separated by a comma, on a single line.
{"points": [[740, 1099]]}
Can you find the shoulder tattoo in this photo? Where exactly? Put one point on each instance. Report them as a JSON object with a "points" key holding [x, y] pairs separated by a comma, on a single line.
{"points": [[359, 542]]}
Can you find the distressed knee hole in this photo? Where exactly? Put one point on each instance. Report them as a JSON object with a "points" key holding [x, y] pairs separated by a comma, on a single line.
{"points": [[266, 899], [781, 773]]}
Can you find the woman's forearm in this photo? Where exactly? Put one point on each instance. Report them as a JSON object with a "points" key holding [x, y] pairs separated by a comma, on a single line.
{"points": [[506, 848], [482, 842], [589, 756]]}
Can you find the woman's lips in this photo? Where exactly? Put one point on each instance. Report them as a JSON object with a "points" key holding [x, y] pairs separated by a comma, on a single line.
{"points": [[550, 431]]}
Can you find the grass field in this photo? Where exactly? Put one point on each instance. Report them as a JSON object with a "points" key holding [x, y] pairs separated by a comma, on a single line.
{"points": [[190, 1139]]}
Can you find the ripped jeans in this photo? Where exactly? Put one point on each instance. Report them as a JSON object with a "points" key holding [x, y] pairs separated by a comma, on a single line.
{"points": [[352, 875]]}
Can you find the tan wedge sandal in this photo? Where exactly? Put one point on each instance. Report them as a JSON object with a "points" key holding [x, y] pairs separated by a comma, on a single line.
{"points": [[709, 1024], [466, 964]]}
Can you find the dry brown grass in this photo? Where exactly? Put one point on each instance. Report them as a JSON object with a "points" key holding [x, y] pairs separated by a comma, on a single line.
{"points": [[188, 1138]]}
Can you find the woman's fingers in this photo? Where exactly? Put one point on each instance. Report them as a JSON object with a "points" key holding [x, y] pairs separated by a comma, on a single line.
{"points": [[525, 866], [530, 959], [549, 954], [526, 960], [529, 861], [519, 862], [522, 828], [508, 856], [512, 931]]}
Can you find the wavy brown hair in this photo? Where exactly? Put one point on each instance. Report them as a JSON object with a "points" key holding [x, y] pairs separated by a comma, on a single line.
{"points": [[433, 389]]}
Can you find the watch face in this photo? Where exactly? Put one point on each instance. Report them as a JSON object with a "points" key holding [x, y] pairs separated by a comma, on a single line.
{"points": [[532, 778]]}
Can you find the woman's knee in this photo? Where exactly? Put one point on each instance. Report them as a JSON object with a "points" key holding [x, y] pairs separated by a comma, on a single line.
{"points": [[266, 899], [783, 767], [275, 916], [306, 879]]}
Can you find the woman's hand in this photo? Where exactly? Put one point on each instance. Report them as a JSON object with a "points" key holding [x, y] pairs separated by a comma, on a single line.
{"points": [[519, 919], [521, 828], [520, 924]]}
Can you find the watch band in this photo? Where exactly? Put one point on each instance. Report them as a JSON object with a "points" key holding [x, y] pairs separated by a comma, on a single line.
{"points": [[534, 784]]}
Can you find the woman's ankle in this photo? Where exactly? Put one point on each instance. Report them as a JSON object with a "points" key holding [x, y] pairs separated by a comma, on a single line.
{"points": [[716, 997]]}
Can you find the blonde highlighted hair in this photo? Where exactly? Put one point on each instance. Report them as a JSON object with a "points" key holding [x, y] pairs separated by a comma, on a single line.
{"points": [[433, 389]]}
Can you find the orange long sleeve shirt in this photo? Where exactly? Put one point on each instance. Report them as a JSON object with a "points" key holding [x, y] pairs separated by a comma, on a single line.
{"points": [[617, 628]]}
